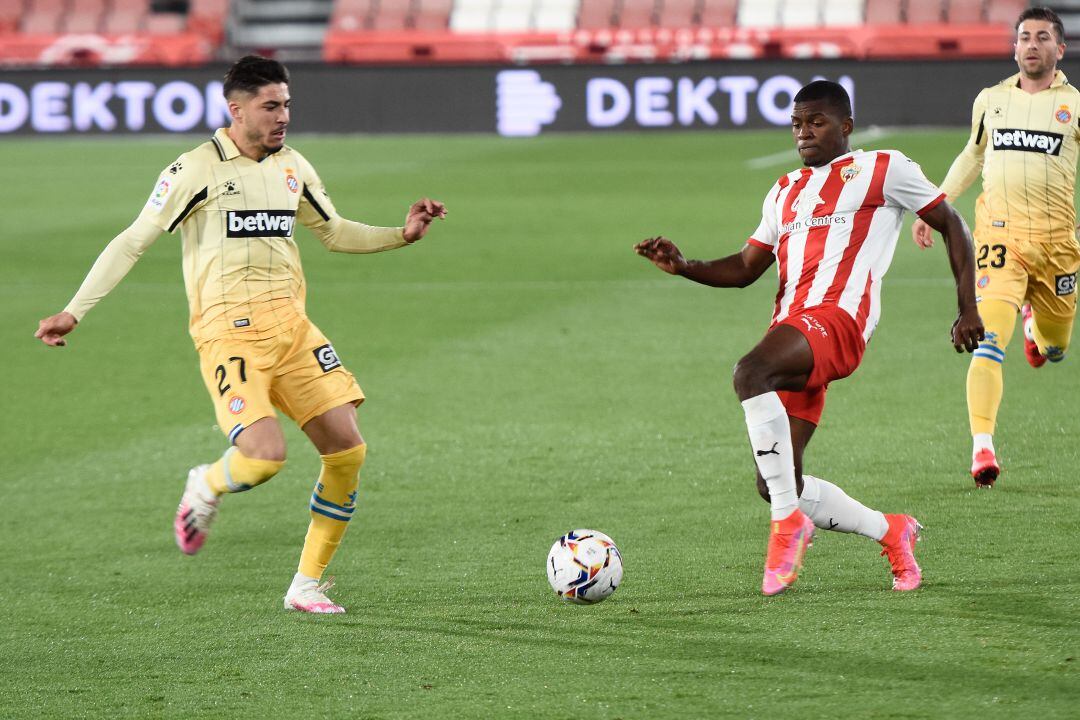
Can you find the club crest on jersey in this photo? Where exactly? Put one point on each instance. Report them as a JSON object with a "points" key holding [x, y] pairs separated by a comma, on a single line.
{"points": [[983, 281], [1063, 115], [293, 183], [850, 172], [236, 405], [326, 357]]}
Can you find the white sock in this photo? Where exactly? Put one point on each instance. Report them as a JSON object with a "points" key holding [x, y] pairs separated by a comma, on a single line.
{"points": [[981, 441], [299, 580], [832, 509], [770, 437]]}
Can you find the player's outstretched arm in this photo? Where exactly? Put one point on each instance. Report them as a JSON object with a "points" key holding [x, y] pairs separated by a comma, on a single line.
{"points": [[967, 330], [52, 329], [738, 270], [419, 218]]}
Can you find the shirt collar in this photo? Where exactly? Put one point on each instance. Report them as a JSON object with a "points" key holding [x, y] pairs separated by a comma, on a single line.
{"points": [[226, 148], [1058, 81]]}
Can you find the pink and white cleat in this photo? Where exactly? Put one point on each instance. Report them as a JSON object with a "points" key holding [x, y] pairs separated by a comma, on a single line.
{"points": [[899, 545], [788, 540], [985, 468], [310, 596], [198, 508]]}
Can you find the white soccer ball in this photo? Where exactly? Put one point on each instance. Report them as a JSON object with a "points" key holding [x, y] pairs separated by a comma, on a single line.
{"points": [[584, 567]]}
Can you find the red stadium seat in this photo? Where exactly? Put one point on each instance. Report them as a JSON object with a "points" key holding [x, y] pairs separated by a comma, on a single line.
{"points": [[42, 17], [678, 13], [432, 14], [9, 16], [635, 14], [919, 12], [596, 14], [125, 16], [165, 23], [83, 16], [718, 13], [882, 12], [965, 12], [1004, 11]]}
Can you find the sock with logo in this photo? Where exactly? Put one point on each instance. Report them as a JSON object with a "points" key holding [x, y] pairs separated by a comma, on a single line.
{"points": [[832, 509], [332, 506], [985, 384], [1051, 337], [770, 438], [236, 472]]}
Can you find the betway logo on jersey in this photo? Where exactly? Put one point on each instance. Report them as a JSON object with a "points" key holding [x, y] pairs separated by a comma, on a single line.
{"points": [[261, 223], [1027, 140]]}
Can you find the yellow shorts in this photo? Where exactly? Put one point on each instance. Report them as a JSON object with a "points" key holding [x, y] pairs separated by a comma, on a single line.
{"points": [[297, 372], [1019, 271]]}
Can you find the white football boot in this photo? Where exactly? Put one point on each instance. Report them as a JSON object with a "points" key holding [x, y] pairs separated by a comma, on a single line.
{"points": [[198, 508], [309, 595]]}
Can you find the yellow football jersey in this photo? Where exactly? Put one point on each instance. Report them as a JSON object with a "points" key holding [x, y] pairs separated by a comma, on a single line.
{"points": [[1026, 146]]}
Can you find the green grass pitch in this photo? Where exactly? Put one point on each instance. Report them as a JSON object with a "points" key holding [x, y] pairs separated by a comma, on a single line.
{"points": [[526, 374]]}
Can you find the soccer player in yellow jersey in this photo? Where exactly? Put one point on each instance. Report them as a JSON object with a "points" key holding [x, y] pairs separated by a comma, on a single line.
{"points": [[1024, 138], [235, 200]]}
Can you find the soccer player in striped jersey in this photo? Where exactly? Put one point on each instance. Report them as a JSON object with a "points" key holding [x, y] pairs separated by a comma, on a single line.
{"points": [[1025, 138], [236, 199], [831, 227]]}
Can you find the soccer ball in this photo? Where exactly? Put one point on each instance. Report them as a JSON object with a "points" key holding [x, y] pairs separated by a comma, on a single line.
{"points": [[584, 567]]}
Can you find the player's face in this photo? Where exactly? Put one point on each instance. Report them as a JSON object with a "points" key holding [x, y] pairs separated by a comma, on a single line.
{"points": [[1037, 48], [821, 135], [264, 116]]}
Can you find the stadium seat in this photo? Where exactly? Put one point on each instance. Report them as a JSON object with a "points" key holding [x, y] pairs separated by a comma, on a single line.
{"points": [[843, 13], [596, 14], [921, 12], [83, 16], [204, 16], [718, 13], [432, 14], [512, 16], [165, 23], [555, 15], [636, 14], [351, 15], [882, 12], [1004, 11], [42, 17], [965, 12], [391, 15], [125, 16], [800, 13], [472, 15], [9, 16], [678, 13], [759, 13]]}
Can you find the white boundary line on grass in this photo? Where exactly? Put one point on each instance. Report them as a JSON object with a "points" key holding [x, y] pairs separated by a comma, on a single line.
{"points": [[788, 156]]}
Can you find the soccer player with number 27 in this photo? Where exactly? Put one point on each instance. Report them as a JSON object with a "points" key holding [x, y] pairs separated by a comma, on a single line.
{"points": [[235, 200]]}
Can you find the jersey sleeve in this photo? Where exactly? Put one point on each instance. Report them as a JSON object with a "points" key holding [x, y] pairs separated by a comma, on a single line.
{"points": [[968, 164], [318, 214], [118, 257], [180, 189], [767, 234], [907, 186]]}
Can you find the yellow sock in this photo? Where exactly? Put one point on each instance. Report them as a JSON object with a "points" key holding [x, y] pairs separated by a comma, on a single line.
{"points": [[236, 472], [1052, 337], [332, 505], [985, 384]]}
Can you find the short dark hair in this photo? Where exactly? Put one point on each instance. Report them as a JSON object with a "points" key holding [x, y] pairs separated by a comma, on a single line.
{"points": [[832, 93], [252, 72], [1043, 13]]}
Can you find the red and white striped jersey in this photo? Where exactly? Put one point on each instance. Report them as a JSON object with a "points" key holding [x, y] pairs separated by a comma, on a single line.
{"points": [[833, 230]]}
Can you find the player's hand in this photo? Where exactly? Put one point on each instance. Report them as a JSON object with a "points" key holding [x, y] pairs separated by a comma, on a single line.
{"points": [[967, 331], [52, 329], [419, 218], [922, 234], [662, 253]]}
